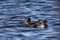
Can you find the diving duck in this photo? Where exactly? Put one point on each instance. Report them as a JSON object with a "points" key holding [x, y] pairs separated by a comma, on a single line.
{"points": [[41, 24], [27, 22]]}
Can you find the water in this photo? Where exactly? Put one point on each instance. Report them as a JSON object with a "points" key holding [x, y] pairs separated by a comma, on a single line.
{"points": [[14, 11]]}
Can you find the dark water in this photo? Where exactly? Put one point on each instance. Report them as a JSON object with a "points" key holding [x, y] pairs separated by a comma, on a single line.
{"points": [[14, 11]]}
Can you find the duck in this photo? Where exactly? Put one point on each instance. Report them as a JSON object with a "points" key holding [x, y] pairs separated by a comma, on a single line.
{"points": [[37, 23], [41, 24], [26, 22]]}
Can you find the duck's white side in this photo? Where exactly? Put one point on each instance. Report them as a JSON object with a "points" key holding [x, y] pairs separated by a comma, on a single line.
{"points": [[41, 26]]}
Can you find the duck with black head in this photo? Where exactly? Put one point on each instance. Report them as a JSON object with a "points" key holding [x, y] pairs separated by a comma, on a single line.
{"points": [[41, 24], [44, 24]]}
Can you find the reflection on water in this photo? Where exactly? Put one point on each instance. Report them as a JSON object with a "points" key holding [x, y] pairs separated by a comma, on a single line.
{"points": [[14, 11]]}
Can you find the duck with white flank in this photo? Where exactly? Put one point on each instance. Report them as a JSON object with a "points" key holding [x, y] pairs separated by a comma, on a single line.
{"points": [[41, 24]]}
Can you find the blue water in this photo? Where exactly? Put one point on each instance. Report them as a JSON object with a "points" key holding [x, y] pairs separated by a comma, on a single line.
{"points": [[14, 11]]}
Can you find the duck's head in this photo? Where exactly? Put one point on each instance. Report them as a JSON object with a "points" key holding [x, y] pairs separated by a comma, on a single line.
{"points": [[39, 21], [46, 23], [29, 20]]}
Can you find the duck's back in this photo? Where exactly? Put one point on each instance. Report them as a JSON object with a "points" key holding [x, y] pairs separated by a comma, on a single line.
{"points": [[23, 23]]}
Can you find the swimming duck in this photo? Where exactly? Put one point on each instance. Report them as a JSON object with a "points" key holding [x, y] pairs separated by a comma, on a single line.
{"points": [[27, 22], [41, 24]]}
